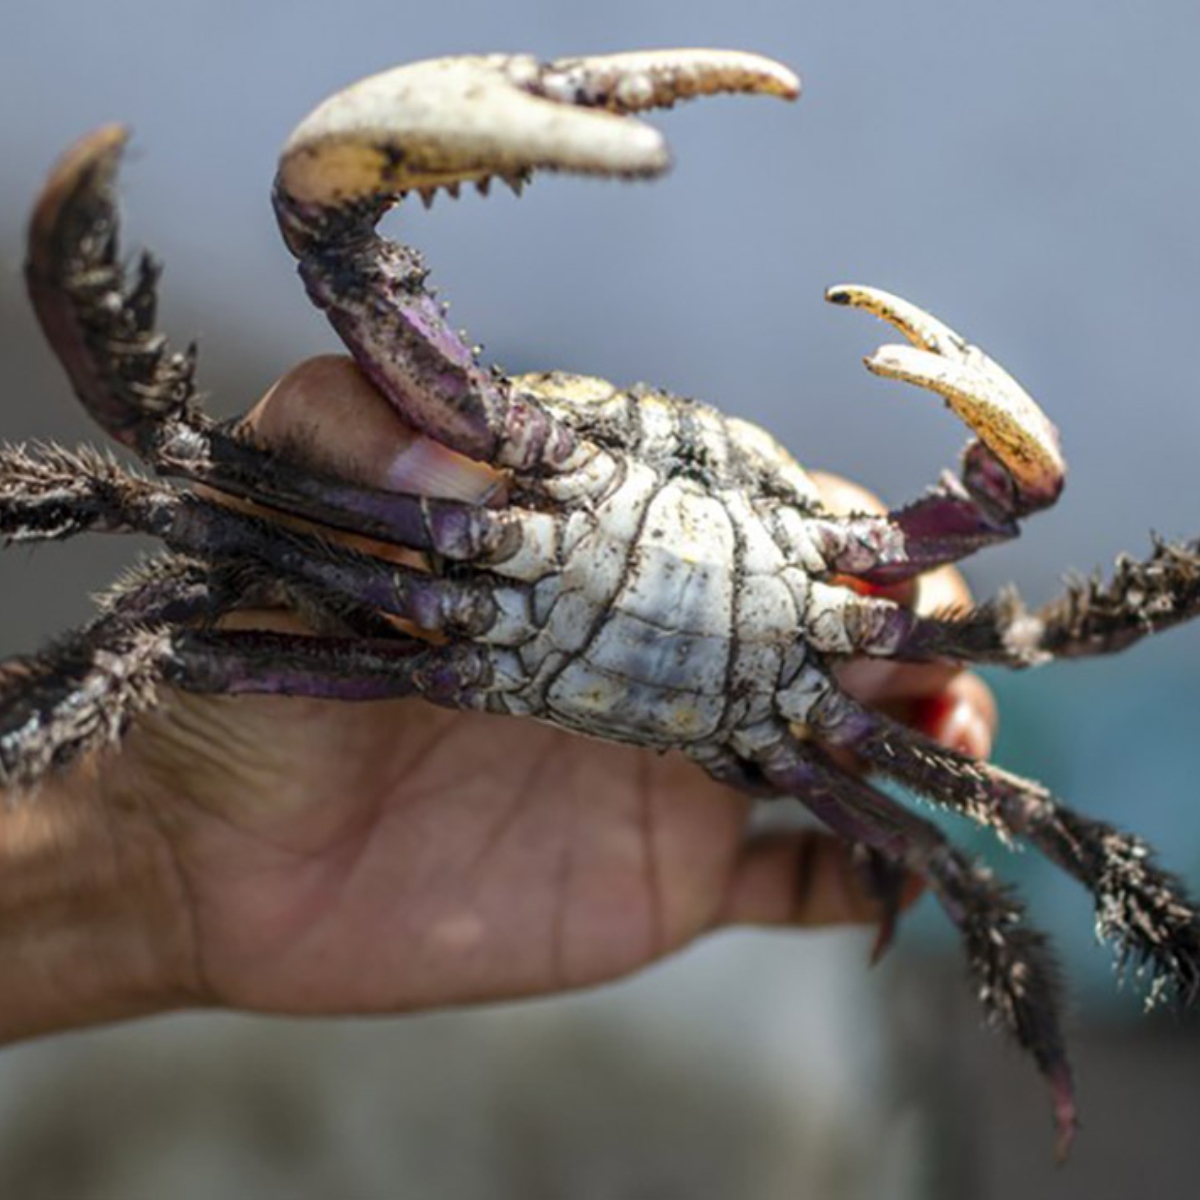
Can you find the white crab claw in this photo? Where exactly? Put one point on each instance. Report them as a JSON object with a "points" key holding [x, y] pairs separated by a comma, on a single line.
{"points": [[449, 120], [985, 397]]}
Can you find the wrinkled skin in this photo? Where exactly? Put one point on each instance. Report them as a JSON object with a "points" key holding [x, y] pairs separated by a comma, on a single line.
{"points": [[622, 563]]}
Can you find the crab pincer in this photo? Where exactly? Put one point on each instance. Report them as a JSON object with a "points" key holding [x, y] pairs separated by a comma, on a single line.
{"points": [[1014, 466], [436, 125]]}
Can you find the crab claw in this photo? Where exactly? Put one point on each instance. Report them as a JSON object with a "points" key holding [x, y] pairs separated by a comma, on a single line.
{"points": [[452, 120], [1016, 465], [440, 124]]}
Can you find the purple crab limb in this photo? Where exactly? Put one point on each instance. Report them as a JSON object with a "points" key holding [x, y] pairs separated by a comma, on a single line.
{"points": [[1092, 617], [121, 667], [59, 492], [940, 528], [241, 662], [1009, 962], [433, 603]]}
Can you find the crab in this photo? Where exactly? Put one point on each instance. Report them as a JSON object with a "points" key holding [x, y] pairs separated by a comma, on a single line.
{"points": [[650, 570]]}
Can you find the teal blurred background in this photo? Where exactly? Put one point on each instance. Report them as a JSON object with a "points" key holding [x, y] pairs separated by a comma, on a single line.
{"points": [[1028, 171]]}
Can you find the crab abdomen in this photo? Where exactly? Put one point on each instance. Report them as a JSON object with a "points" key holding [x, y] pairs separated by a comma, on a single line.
{"points": [[671, 617]]}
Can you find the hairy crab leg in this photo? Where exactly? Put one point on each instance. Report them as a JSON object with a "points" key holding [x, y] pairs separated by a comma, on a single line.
{"points": [[48, 493], [1010, 962], [244, 662], [439, 124], [1012, 468], [1144, 909], [154, 628], [81, 695], [82, 691], [73, 492], [1092, 617], [1000, 632]]}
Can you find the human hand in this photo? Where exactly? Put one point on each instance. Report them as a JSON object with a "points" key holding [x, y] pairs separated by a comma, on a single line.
{"points": [[302, 856]]}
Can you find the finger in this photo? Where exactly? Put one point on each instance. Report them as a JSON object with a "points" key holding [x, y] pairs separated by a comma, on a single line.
{"points": [[328, 414], [803, 878], [952, 706], [962, 716]]}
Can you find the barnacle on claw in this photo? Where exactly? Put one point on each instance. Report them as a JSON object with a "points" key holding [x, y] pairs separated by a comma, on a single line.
{"points": [[654, 572]]}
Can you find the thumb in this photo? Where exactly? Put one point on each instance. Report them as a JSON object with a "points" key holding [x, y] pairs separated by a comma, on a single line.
{"points": [[327, 414], [804, 878]]}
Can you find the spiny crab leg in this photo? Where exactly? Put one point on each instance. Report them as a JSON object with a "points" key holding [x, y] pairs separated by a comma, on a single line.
{"points": [[1013, 467], [1010, 961], [82, 693], [60, 493], [439, 124], [1143, 909]]}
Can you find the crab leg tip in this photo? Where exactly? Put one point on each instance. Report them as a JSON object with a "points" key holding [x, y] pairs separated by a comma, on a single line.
{"points": [[85, 169], [1066, 1115]]}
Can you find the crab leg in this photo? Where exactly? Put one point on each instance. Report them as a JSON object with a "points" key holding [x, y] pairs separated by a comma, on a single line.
{"points": [[1011, 469], [82, 694], [1010, 963], [65, 493], [83, 691], [1001, 632], [1093, 617], [439, 124], [246, 662], [1143, 908], [49, 493], [102, 329]]}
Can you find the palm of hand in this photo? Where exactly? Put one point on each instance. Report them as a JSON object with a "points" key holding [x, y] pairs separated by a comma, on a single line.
{"points": [[393, 856]]}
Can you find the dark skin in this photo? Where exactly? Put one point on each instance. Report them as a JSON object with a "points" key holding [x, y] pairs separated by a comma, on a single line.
{"points": [[298, 856]]}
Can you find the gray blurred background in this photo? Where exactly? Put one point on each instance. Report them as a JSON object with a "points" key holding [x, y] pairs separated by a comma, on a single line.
{"points": [[1028, 170]]}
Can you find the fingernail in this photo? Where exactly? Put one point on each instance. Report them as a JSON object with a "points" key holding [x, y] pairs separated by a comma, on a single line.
{"points": [[427, 468], [965, 730], [954, 722]]}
